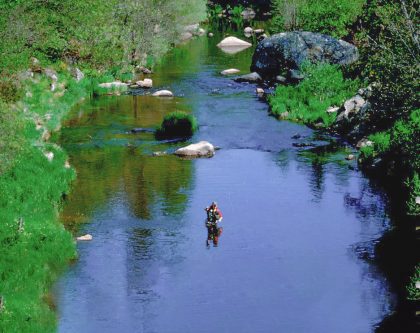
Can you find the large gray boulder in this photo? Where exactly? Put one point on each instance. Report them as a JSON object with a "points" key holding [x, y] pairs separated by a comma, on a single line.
{"points": [[289, 50]]}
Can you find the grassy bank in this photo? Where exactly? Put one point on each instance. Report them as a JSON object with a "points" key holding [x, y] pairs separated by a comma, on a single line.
{"points": [[35, 247]]}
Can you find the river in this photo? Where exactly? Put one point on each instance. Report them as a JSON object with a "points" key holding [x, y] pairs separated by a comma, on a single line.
{"points": [[299, 224]]}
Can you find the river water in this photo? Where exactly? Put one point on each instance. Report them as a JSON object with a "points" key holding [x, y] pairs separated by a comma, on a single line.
{"points": [[299, 223]]}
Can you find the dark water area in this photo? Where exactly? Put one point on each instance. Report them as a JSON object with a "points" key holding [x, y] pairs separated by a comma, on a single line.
{"points": [[300, 224]]}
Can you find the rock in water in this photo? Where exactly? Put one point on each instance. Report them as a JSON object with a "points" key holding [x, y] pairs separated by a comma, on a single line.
{"points": [[146, 83], [115, 84], [163, 93], [289, 50], [86, 237], [251, 77], [200, 149], [233, 45], [230, 71], [248, 14]]}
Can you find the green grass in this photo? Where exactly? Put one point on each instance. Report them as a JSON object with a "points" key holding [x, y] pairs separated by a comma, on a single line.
{"points": [[323, 86], [177, 124], [33, 252]]}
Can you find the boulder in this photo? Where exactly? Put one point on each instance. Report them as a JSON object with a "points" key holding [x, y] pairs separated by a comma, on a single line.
{"points": [[185, 36], [251, 77], [233, 45], [248, 31], [192, 28], [230, 71], [350, 157], [200, 149], [77, 74], [49, 155], [259, 31], [210, 34], [163, 93], [248, 14], [86, 237], [260, 92], [364, 143], [333, 109], [146, 83], [115, 84], [289, 50], [143, 70], [51, 74], [351, 107]]}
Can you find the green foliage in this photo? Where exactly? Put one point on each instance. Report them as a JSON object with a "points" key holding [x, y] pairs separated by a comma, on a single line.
{"points": [[413, 291], [177, 124], [331, 17], [413, 186], [93, 33], [35, 250], [323, 86], [381, 144], [11, 137], [389, 48], [236, 15], [405, 141]]}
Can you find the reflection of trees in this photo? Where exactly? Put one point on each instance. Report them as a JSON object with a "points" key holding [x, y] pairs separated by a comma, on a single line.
{"points": [[146, 180], [96, 142]]}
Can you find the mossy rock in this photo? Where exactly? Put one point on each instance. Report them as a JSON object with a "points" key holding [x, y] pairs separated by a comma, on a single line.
{"points": [[177, 125]]}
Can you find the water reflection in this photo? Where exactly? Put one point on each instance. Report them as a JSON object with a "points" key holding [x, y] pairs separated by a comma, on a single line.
{"points": [[109, 158]]}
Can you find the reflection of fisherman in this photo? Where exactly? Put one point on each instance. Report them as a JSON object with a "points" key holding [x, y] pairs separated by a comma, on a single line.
{"points": [[214, 215]]}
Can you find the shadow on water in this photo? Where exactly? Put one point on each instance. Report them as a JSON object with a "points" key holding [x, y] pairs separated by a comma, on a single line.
{"points": [[300, 224]]}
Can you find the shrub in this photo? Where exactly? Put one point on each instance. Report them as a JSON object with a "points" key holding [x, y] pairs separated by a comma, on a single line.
{"points": [[413, 291], [323, 86], [177, 124], [381, 144], [413, 186], [389, 57], [331, 17]]}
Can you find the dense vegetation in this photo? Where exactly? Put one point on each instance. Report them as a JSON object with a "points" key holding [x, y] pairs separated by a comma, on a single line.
{"points": [[332, 17], [42, 42], [323, 86]]}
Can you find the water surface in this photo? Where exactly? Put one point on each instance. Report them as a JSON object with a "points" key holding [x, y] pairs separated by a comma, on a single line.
{"points": [[298, 223]]}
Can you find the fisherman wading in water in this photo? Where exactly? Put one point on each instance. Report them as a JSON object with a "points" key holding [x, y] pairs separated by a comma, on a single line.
{"points": [[214, 215]]}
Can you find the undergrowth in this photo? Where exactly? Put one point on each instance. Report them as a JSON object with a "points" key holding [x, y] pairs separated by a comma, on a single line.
{"points": [[323, 86]]}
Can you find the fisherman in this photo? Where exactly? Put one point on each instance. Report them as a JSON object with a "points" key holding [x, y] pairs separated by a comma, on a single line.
{"points": [[214, 215]]}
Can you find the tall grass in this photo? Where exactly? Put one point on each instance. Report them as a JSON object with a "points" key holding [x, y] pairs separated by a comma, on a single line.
{"points": [[323, 86]]}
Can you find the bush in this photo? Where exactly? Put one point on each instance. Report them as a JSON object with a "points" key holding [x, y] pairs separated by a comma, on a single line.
{"points": [[413, 291], [413, 186], [331, 17], [323, 86], [177, 125], [389, 53], [381, 144]]}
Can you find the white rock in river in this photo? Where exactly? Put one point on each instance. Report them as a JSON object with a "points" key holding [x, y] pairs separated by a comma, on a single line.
{"points": [[86, 237], [233, 45], [115, 84], [163, 93], [146, 83], [233, 41], [200, 149], [230, 71], [248, 30]]}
